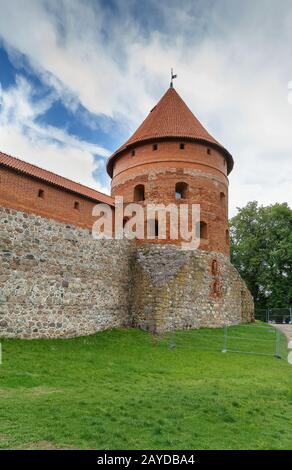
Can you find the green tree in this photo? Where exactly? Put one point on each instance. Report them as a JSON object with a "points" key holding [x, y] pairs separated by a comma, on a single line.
{"points": [[261, 250]]}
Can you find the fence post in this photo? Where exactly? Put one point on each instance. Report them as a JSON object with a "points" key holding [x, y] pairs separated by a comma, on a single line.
{"points": [[224, 350], [277, 348]]}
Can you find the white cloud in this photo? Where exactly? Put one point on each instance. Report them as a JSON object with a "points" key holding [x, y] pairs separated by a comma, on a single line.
{"points": [[45, 146], [233, 60]]}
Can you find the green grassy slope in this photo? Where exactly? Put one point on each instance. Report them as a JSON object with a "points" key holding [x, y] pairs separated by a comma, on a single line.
{"points": [[121, 390]]}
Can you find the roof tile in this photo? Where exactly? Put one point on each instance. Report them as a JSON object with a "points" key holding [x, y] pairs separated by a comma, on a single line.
{"points": [[54, 179], [170, 118]]}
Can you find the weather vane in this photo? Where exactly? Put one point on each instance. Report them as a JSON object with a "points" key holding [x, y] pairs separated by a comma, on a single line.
{"points": [[172, 78]]}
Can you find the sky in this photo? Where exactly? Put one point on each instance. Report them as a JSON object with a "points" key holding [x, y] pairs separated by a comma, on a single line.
{"points": [[77, 77]]}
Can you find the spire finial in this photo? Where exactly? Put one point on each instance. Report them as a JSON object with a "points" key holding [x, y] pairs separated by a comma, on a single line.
{"points": [[172, 77]]}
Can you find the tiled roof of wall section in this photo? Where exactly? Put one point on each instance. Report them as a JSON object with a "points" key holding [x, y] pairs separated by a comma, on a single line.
{"points": [[54, 179]]}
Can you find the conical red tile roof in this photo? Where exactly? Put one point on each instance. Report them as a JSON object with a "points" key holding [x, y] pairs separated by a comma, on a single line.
{"points": [[170, 118]]}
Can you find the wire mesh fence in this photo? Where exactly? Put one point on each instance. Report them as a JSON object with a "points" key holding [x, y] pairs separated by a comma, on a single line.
{"points": [[255, 339], [274, 315], [259, 339]]}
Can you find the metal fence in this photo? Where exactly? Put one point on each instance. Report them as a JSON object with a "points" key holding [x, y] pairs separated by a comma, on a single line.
{"points": [[274, 315], [254, 339]]}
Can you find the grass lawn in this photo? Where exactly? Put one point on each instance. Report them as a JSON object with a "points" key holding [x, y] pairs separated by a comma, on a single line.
{"points": [[121, 390]]}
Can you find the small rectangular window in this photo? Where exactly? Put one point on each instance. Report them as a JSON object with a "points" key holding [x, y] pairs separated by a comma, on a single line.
{"points": [[133, 153], [76, 205], [41, 193], [155, 147], [181, 146], [209, 151]]}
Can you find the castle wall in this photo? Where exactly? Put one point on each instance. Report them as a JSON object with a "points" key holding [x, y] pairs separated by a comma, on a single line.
{"points": [[56, 281], [21, 192], [186, 289]]}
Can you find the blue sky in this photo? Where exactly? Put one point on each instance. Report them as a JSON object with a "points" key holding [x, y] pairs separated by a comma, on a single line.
{"points": [[78, 76]]}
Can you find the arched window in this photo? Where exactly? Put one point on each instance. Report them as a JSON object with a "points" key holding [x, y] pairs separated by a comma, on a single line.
{"points": [[227, 236], [125, 220], [139, 193], [181, 190], [203, 230]]}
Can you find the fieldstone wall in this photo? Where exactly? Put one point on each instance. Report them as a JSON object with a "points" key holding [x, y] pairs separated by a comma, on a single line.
{"points": [[186, 289], [56, 281]]}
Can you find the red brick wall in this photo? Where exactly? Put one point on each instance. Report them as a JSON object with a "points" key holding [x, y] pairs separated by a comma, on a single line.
{"points": [[18, 191], [159, 171]]}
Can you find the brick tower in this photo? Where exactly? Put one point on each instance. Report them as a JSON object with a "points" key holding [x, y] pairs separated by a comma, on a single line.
{"points": [[171, 158]]}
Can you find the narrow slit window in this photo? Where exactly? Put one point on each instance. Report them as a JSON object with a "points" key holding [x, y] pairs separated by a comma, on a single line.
{"points": [[215, 268], [41, 193], [203, 230], [154, 147], [76, 205], [156, 228], [209, 151], [222, 198], [133, 153], [216, 288]]}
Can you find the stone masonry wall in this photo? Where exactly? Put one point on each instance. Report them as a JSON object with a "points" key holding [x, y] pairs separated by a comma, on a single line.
{"points": [[186, 289], [56, 281]]}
